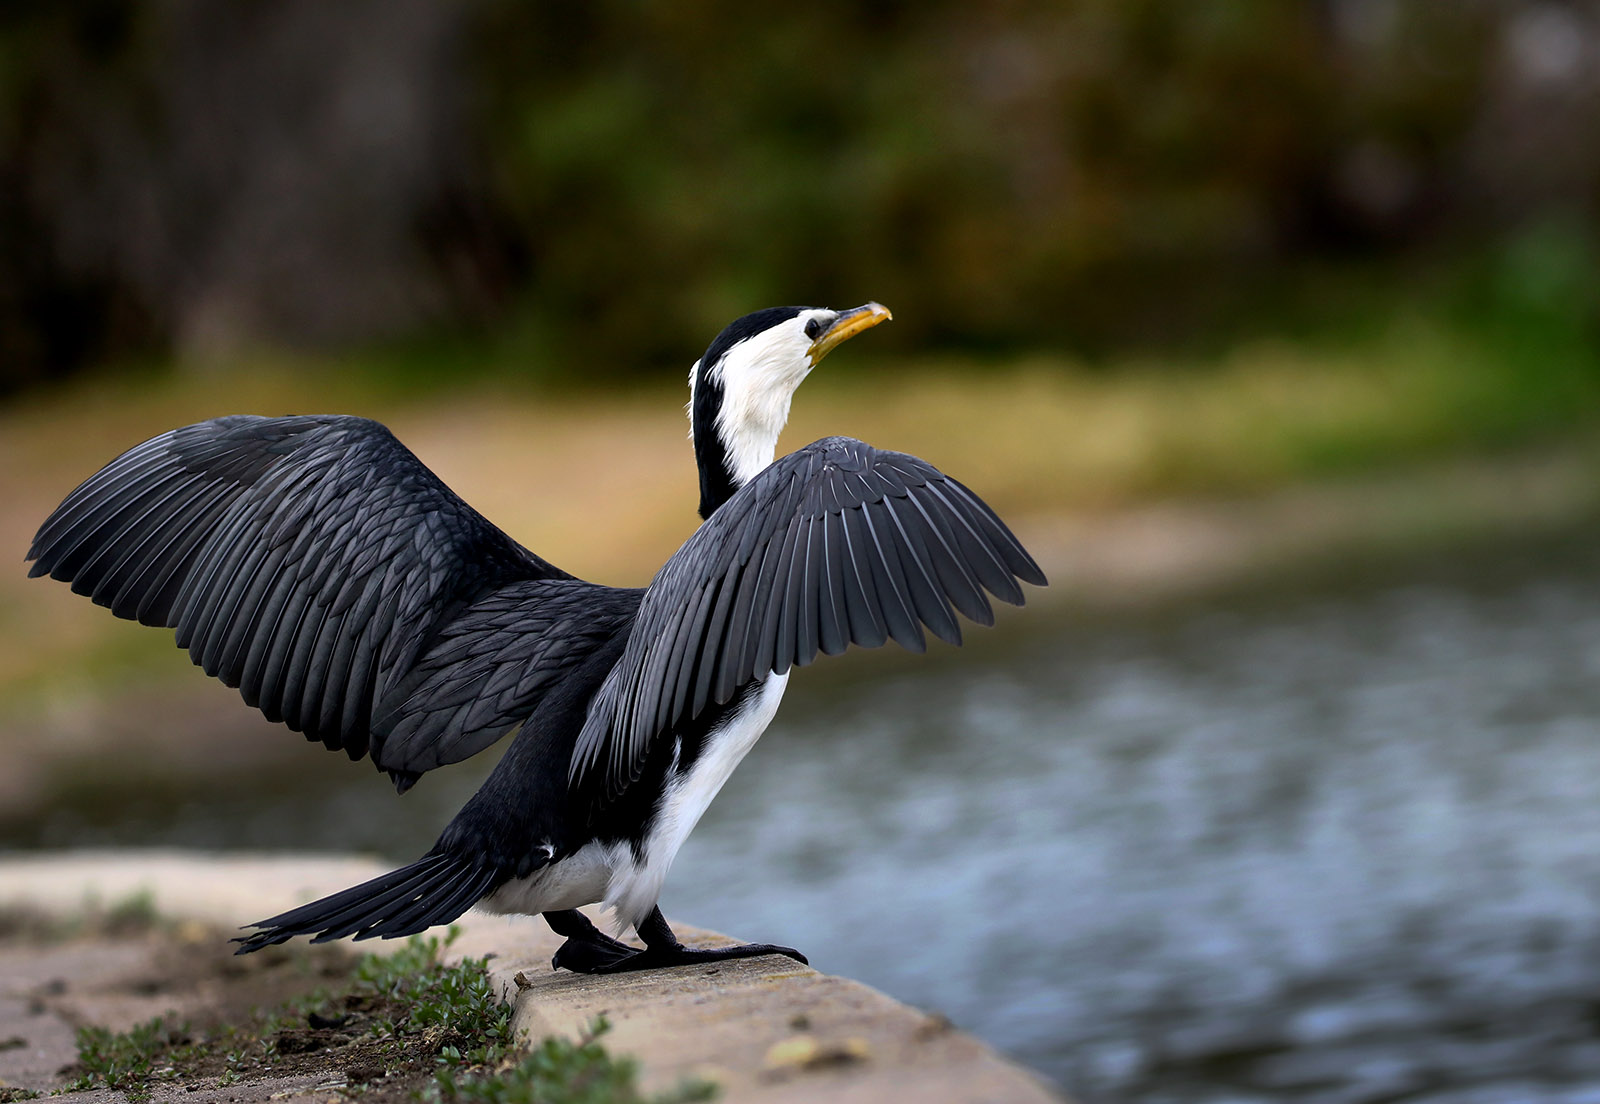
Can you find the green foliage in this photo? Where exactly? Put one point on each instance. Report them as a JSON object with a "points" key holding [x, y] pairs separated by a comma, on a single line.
{"points": [[559, 1071], [474, 1060], [1035, 173], [132, 914], [459, 1002], [1087, 176], [130, 1060], [410, 1009]]}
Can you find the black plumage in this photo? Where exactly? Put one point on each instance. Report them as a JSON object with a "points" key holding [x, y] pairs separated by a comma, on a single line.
{"points": [[318, 566]]}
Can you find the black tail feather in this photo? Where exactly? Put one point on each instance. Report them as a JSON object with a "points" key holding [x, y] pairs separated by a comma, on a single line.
{"points": [[345, 898], [361, 911], [449, 901], [435, 889]]}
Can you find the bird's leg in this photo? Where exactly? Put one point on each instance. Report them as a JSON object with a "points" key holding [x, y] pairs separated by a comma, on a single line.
{"points": [[662, 949], [587, 949]]}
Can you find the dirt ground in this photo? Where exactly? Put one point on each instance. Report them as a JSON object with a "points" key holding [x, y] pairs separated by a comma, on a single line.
{"points": [[226, 1033]]}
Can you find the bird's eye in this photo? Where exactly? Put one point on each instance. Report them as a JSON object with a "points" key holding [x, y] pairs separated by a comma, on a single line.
{"points": [[814, 328]]}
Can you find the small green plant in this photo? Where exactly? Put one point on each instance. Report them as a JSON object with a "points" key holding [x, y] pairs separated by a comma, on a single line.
{"points": [[130, 1060], [458, 1005], [408, 1018], [560, 1071], [132, 915]]}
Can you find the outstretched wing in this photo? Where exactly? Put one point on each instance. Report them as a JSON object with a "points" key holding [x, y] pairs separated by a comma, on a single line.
{"points": [[835, 544], [318, 566]]}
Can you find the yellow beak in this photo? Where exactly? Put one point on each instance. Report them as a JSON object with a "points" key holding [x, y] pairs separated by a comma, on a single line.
{"points": [[846, 326]]}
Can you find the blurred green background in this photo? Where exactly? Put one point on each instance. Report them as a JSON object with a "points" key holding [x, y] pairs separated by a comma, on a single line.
{"points": [[589, 191]]}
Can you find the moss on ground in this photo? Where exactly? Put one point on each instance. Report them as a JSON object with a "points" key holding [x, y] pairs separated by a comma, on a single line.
{"points": [[401, 1026]]}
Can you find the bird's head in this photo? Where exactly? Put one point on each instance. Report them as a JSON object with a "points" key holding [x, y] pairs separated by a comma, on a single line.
{"points": [[739, 391]]}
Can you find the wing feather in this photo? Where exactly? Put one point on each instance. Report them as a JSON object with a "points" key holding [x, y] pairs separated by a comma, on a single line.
{"points": [[797, 630], [1016, 557], [76, 539], [680, 676], [716, 637], [977, 553], [285, 643], [959, 583], [227, 607], [899, 608], [264, 584], [833, 617], [931, 607], [861, 594], [167, 572], [770, 652], [733, 667], [125, 557]]}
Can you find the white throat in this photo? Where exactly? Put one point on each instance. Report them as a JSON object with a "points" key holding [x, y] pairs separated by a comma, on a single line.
{"points": [[758, 378], [750, 429]]}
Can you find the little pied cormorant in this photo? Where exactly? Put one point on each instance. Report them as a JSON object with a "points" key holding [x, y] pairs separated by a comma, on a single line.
{"points": [[315, 564]]}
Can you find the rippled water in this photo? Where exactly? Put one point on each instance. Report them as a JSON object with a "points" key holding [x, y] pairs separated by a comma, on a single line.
{"points": [[1317, 845]]}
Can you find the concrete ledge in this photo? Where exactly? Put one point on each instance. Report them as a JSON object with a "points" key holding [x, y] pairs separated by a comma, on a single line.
{"points": [[764, 1029]]}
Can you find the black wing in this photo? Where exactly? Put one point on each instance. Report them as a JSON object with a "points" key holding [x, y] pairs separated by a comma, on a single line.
{"points": [[321, 568], [833, 545]]}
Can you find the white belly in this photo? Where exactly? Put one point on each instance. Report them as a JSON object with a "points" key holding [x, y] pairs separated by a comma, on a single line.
{"points": [[579, 879], [636, 886]]}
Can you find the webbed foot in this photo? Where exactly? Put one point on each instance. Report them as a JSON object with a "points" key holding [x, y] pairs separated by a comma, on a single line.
{"points": [[599, 954], [654, 958], [588, 950]]}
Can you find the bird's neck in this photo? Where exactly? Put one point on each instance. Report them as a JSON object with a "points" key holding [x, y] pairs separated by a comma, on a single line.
{"points": [[735, 439]]}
